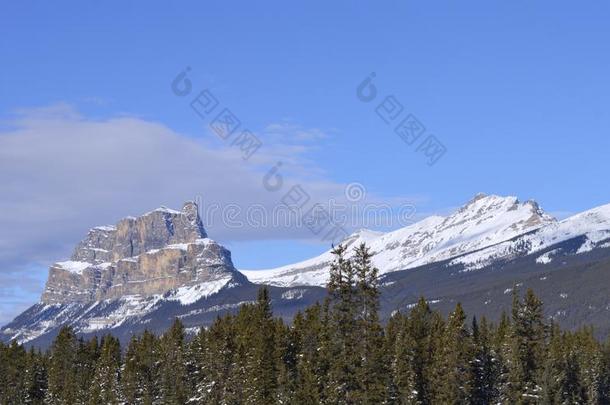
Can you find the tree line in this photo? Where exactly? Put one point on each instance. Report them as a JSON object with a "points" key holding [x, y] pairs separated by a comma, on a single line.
{"points": [[334, 352]]}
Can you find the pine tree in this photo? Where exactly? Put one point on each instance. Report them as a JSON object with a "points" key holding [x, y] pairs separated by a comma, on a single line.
{"points": [[551, 375], [141, 376], [217, 361], [393, 329], [588, 352], [173, 378], [344, 386], [36, 378], [87, 356], [105, 387], [130, 379], [15, 374], [311, 336], [484, 367], [331, 354], [451, 361], [264, 355], [303, 347], [416, 345], [63, 369], [501, 349], [373, 373], [600, 389], [527, 350]]}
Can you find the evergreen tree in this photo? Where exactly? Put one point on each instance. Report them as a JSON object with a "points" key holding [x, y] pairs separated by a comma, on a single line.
{"points": [[105, 388], [130, 379], [140, 380], [588, 351], [63, 369], [501, 354], [415, 350], [344, 386], [14, 374], [264, 353], [551, 376], [451, 361], [373, 373], [393, 329], [173, 378], [484, 367], [310, 333], [600, 389], [87, 356], [334, 353], [36, 378], [527, 350]]}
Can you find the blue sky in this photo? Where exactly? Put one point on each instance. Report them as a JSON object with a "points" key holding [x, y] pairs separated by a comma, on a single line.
{"points": [[516, 91]]}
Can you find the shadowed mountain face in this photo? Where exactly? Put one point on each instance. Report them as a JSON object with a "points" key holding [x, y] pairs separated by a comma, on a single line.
{"points": [[143, 272], [573, 286]]}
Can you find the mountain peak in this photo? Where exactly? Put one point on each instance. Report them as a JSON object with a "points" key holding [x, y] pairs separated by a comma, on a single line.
{"points": [[482, 222], [151, 254]]}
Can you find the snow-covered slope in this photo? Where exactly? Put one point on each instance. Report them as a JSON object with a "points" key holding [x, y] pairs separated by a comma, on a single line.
{"points": [[483, 222], [593, 225]]}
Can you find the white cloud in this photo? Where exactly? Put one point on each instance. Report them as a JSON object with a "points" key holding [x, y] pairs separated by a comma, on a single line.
{"points": [[62, 173]]}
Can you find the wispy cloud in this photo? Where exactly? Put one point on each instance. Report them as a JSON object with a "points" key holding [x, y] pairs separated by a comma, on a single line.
{"points": [[62, 173]]}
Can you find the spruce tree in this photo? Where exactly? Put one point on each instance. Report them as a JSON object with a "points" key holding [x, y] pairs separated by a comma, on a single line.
{"points": [[311, 335], [36, 378], [173, 378], [600, 390], [15, 374], [105, 388], [415, 351], [527, 350], [553, 367], [344, 386], [373, 373], [217, 363], [87, 356], [393, 329], [63, 369], [452, 372], [141, 376], [264, 356], [484, 366], [501, 343], [130, 379]]}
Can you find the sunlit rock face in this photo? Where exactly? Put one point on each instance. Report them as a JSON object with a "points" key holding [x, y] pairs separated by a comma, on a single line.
{"points": [[159, 251]]}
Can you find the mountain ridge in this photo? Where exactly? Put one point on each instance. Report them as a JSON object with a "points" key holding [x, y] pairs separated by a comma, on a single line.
{"points": [[145, 271], [483, 221]]}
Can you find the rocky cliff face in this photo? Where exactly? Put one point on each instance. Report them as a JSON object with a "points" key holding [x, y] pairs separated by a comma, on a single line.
{"points": [[145, 256]]}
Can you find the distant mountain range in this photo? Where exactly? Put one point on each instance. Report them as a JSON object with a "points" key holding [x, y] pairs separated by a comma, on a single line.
{"points": [[143, 272]]}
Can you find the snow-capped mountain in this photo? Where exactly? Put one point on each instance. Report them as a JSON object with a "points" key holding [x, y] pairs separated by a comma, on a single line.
{"points": [[141, 273], [144, 272], [592, 226], [483, 222]]}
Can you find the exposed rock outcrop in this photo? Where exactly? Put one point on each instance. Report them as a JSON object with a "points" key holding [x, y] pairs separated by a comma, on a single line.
{"points": [[162, 250]]}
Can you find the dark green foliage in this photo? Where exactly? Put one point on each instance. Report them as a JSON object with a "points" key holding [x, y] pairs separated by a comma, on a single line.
{"points": [[64, 379], [336, 352], [452, 373], [140, 379], [105, 383], [527, 349], [173, 377], [485, 366]]}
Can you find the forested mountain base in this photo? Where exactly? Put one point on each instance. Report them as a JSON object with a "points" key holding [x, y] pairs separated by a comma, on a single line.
{"points": [[336, 352]]}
